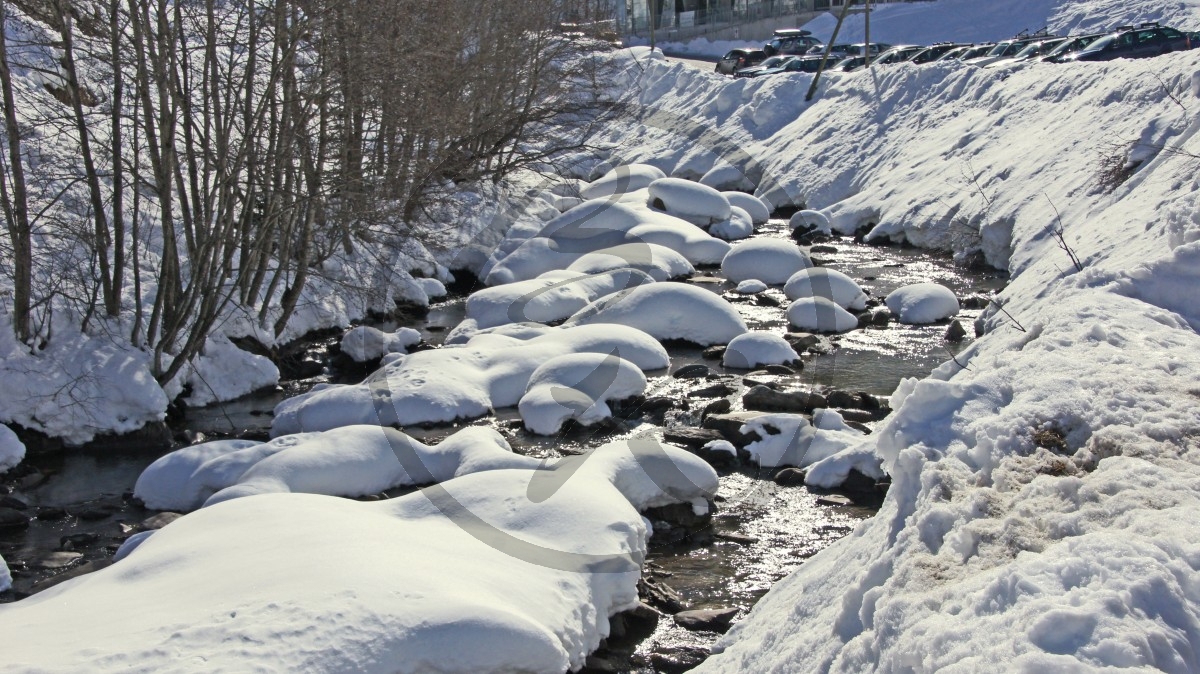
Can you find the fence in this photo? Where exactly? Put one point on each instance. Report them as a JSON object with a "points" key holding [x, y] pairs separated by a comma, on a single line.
{"points": [[719, 22]]}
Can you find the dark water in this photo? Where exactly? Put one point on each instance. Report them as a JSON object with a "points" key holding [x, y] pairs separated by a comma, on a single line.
{"points": [[759, 533]]}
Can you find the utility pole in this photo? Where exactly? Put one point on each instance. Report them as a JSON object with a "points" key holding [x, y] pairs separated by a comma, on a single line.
{"points": [[812, 90], [867, 21], [651, 5]]}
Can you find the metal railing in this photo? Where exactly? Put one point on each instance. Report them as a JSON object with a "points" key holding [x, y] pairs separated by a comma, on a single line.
{"points": [[688, 25]]}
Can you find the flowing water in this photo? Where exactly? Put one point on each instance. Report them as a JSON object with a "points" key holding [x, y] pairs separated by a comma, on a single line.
{"points": [[759, 532]]}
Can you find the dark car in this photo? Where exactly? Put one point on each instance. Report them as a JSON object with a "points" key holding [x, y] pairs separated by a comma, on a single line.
{"points": [[790, 41], [1009, 48], [809, 64], [975, 51], [898, 54], [1028, 53], [768, 64], [736, 59], [1068, 46], [933, 51], [1145, 40]]}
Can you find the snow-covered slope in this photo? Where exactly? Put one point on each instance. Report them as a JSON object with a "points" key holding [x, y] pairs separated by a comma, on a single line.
{"points": [[1043, 490]]}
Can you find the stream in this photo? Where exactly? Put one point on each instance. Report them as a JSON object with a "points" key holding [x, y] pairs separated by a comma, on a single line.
{"points": [[81, 506]]}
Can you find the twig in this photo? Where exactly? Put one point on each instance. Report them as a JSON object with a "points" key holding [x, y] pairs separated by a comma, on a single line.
{"points": [[1010, 316], [1059, 236], [955, 359]]}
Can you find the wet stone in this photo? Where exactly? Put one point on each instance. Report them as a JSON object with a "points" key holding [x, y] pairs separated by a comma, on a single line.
{"points": [[656, 405], [672, 659], [789, 477], [693, 371], [713, 352], [729, 425], [50, 513], [956, 332], [975, 301], [691, 437], [721, 406], [834, 500], [75, 541], [765, 300], [857, 416], [801, 341], [57, 560], [12, 520], [881, 319], [741, 539], [706, 620], [842, 399], [770, 400], [782, 370], [160, 520], [660, 595], [718, 390], [13, 502], [823, 248]]}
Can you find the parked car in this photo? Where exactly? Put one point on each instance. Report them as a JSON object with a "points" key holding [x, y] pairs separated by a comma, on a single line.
{"points": [[851, 64], [954, 54], [810, 64], [768, 64], [839, 50], [736, 59], [790, 41], [976, 50], [1010, 47], [933, 51], [1069, 46], [1142, 41], [898, 54], [1029, 51]]}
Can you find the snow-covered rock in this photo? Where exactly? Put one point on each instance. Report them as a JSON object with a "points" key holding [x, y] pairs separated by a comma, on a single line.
{"points": [[771, 261], [698, 204], [738, 226], [922, 303], [810, 219], [12, 450], [621, 180], [790, 440], [364, 343], [659, 262], [682, 237], [758, 348], [667, 311], [724, 177], [750, 287], [818, 314], [550, 297], [754, 207], [592, 219], [5, 575], [577, 387], [829, 283], [441, 385], [495, 571]]}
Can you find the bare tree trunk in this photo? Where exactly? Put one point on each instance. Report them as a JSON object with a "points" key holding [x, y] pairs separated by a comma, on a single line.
{"points": [[17, 216]]}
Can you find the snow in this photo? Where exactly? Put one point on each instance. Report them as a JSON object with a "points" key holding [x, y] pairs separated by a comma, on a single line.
{"points": [[551, 297], [682, 237], [725, 177], [772, 261], [750, 287], [698, 204], [922, 303], [365, 344], [818, 314], [498, 570], [809, 219], [739, 225], [758, 348], [831, 284], [577, 387], [790, 440], [347, 461], [440, 385], [621, 180], [12, 450], [659, 262], [5, 575], [667, 311], [754, 207]]}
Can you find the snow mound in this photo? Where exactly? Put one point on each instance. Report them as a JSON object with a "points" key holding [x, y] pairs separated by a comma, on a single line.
{"points": [[922, 303], [758, 348], [738, 226], [698, 204], [550, 297], [12, 450], [724, 177], [750, 287], [771, 261], [441, 385], [790, 440], [590, 219], [668, 311], [622, 180], [577, 387], [496, 571], [5, 575], [659, 262], [828, 283], [222, 371], [808, 219], [364, 343], [818, 314], [682, 237], [754, 207]]}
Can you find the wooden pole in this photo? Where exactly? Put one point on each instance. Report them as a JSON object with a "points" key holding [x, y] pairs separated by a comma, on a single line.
{"points": [[812, 90]]}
